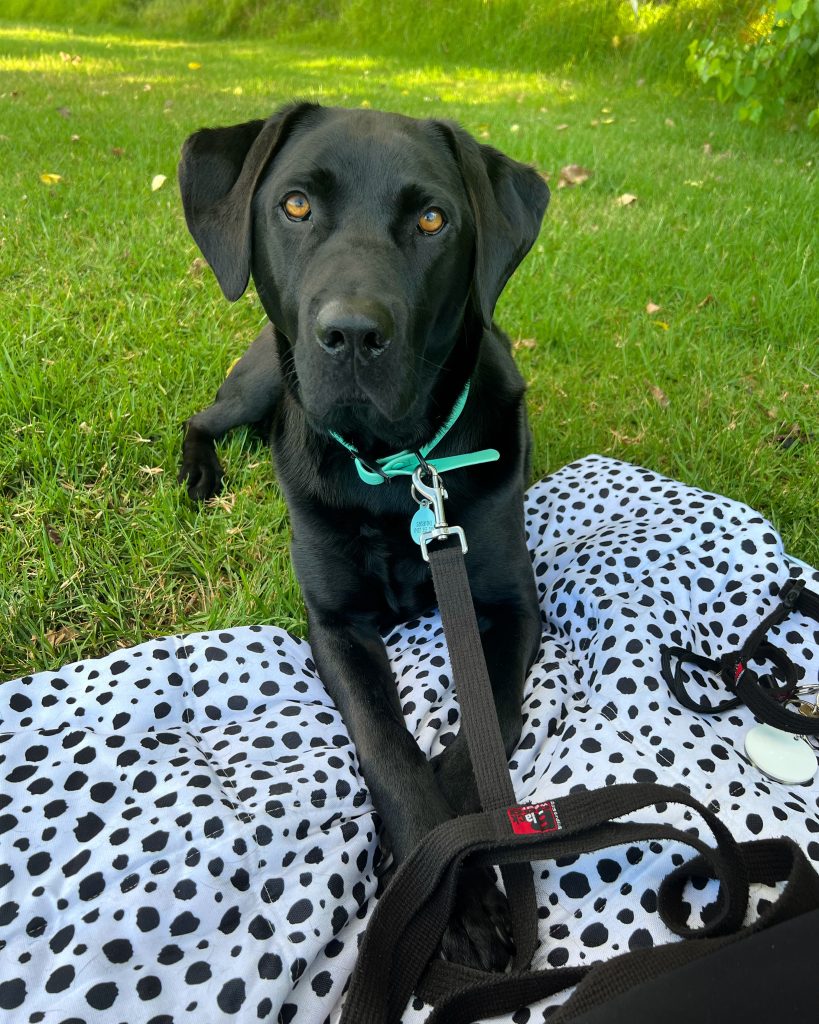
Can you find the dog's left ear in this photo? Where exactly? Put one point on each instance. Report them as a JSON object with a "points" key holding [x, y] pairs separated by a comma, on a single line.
{"points": [[508, 200], [219, 172]]}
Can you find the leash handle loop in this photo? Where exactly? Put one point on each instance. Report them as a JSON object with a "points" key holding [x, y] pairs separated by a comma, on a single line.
{"points": [[411, 915]]}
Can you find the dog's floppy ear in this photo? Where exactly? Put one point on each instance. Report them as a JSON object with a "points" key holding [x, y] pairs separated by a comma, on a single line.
{"points": [[508, 200], [219, 171]]}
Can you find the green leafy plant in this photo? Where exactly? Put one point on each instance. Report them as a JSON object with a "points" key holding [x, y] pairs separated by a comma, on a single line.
{"points": [[774, 61]]}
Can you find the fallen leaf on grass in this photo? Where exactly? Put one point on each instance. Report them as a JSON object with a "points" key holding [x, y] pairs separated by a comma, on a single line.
{"points": [[652, 307], [561, 127], [659, 396], [53, 535], [117, 151], [50, 179], [524, 343], [158, 181], [194, 65], [573, 174], [197, 267], [75, 138], [58, 637], [661, 324], [626, 199], [694, 184], [709, 298], [796, 435], [69, 58], [707, 149], [151, 470], [63, 111], [669, 122]]}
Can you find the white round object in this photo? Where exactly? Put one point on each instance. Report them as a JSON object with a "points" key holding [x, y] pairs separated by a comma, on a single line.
{"points": [[781, 755]]}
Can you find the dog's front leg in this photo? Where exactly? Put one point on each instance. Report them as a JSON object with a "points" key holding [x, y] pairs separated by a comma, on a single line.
{"points": [[352, 663], [248, 395]]}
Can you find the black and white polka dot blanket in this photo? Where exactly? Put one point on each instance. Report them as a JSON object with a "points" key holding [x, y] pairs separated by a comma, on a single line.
{"points": [[186, 838]]}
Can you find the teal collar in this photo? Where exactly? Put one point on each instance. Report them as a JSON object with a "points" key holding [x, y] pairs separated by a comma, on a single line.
{"points": [[405, 463]]}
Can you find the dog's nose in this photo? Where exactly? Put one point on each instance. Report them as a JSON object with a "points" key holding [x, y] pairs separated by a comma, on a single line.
{"points": [[363, 328]]}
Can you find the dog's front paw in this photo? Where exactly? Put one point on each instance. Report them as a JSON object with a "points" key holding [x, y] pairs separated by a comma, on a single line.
{"points": [[479, 933], [200, 470]]}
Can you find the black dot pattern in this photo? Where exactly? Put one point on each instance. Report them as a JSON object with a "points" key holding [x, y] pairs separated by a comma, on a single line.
{"points": [[185, 835]]}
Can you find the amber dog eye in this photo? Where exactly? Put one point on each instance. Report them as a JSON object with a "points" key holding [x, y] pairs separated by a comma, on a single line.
{"points": [[431, 221], [296, 206]]}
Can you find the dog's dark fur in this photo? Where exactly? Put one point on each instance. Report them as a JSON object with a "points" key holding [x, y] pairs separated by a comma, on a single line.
{"points": [[375, 329]]}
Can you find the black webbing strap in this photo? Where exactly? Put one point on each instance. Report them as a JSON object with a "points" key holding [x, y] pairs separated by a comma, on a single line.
{"points": [[483, 735], [764, 696], [409, 919]]}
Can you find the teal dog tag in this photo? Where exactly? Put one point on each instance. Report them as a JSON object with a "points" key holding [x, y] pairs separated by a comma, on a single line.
{"points": [[422, 522]]}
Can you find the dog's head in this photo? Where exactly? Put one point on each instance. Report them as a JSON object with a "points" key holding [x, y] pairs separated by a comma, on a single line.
{"points": [[371, 237]]}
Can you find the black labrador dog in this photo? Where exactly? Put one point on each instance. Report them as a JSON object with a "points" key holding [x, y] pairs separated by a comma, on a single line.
{"points": [[379, 245]]}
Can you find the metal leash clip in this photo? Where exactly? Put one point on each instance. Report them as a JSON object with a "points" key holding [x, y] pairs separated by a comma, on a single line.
{"points": [[805, 707], [435, 494]]}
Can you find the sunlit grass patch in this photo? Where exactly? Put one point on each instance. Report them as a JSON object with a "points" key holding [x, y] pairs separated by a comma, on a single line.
{"points": [[112, 333]]}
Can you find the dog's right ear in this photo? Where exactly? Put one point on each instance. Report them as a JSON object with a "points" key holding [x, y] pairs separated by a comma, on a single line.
{"points": [[219, 172], [508, 200]]}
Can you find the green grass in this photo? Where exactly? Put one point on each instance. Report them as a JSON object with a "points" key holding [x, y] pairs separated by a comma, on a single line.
{"points": [[108, 340]]}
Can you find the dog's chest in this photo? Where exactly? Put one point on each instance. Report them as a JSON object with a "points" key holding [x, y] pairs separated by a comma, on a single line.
{"points": [[393, 566]]}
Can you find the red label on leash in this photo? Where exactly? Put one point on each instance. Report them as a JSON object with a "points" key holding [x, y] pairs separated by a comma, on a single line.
{"points": [[530, 819]]}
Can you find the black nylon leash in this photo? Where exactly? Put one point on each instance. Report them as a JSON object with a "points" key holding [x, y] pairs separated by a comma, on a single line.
{"points": [[415, 908], [408, 922], [483, 735]]}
